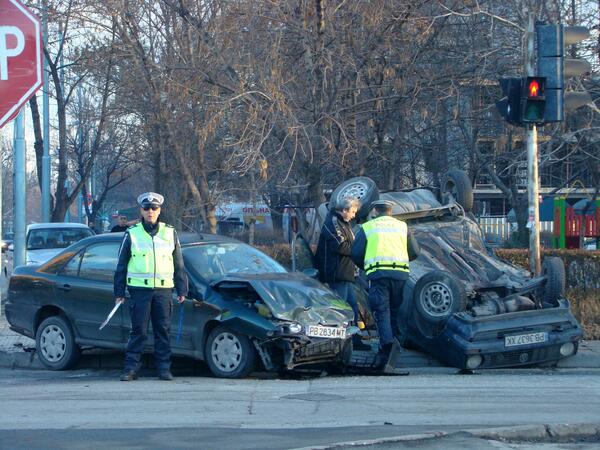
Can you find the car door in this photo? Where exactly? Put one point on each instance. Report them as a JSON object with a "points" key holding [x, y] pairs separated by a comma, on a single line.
{"points": [[189, 319], [87, 282]]}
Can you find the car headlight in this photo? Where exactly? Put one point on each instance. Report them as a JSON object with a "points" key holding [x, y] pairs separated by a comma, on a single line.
{"points": [[290, 328], [295, 328], [567, 349], [474, 361]]}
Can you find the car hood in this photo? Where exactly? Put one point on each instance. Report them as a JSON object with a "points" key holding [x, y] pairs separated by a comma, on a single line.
{"points": [[42, 255], [294, 297]]}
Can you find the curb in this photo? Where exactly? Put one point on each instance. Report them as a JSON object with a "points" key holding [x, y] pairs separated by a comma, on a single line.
{"points": [[97, 359], [543, 432]]}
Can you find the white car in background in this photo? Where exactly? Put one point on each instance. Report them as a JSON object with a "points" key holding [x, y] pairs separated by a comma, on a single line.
{"points": [[44, 240]]}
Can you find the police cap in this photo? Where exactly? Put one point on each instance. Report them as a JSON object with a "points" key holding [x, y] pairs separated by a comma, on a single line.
{"points": [[150, 199]]}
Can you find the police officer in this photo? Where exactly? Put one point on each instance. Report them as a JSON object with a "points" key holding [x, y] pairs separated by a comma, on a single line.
{"points": [[383, 248], [150, 265]]}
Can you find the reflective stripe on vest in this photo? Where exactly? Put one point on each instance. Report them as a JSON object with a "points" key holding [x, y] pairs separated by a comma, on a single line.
{"points": [[387, 247], [151, 261]]}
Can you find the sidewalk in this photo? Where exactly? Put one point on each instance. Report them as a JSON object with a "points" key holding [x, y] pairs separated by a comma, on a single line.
{"points": [[17, 351]]}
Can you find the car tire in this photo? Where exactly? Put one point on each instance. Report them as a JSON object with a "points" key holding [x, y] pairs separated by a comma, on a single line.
{"points": [[437, 296], [456, 184], [363, 189], [55, 343], [229, 354], [553, 269]]}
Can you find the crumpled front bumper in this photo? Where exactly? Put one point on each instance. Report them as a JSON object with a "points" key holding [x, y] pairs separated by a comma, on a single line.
{"points": [[302, 351], [465, 336]]}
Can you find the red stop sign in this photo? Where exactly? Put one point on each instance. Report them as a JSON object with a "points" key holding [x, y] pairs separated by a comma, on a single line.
{"points": [[20, 57]]}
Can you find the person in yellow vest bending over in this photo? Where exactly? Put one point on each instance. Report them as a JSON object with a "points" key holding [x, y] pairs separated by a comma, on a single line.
{"points": [[383, 248], [150, 265]]}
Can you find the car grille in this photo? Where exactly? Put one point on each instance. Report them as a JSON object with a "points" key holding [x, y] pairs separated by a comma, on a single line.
{"points": [[321, 349], [523, 357]]}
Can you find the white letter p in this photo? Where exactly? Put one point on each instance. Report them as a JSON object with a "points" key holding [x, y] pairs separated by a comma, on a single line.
{"points": [[5, 52]]}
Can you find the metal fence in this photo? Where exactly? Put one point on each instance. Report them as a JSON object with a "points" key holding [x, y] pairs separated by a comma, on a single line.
{"points": [[498, 229]]}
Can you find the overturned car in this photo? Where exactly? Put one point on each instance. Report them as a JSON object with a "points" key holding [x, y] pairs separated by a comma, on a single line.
{"points": [[243, 310], [462, 304]]}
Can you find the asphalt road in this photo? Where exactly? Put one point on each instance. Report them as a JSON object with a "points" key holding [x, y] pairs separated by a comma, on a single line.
{"points": [[92, 409]]}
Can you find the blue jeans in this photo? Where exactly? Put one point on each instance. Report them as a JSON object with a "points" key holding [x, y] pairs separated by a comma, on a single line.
{"points": [[345, 289], [146, 305], [385, 297]]}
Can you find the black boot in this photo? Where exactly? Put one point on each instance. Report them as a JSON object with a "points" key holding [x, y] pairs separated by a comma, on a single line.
{"points": [[382, 357], [165, 375], [129, 375], [359, 345]]}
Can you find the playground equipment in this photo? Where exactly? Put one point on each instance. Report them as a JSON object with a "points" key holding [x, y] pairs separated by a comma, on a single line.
{"points": [[570, 226]]}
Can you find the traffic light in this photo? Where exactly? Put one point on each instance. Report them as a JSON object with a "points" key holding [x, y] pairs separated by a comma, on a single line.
{"points": [[552, 64], [533, 100], [509, 106]]}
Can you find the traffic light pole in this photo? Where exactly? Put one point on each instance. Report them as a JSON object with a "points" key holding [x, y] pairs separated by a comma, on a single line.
{"points": [[533, 220]]}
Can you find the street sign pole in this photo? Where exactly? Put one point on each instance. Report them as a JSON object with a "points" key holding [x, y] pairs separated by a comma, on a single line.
{"points": [[46, 129], [533, 219], [19, 190], [1, 235], [20, 78]]}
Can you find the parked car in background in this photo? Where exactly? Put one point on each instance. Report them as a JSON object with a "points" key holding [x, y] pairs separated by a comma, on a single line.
{"points": [[44, 240], [244, 309], [462, 304]]}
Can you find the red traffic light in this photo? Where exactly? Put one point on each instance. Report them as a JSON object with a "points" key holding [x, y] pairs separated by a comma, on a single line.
{"points": [[533, 88]]}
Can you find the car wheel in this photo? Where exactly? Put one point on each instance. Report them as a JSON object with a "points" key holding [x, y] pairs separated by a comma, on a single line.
{"points": [[229, 354], [437, 295], [554, 271], [457, 185], [56, 345], [362, 188]]}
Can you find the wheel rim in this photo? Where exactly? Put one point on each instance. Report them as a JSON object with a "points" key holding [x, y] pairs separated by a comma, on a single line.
{"points": [[53, 343], [356, 190], [436, 299], [226, 352]]}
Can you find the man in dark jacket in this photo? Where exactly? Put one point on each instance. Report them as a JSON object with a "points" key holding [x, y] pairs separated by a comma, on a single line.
{"points": [[150, 266], [121, 226], [383, 248], [333, 252]]}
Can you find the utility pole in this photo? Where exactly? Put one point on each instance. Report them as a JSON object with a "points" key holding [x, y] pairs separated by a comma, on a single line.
{"points": [[19, 190], [46, 126], [533, 221]]}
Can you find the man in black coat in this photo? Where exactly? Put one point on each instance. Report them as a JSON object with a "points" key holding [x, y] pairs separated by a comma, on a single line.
{"points": [[333, 252]]}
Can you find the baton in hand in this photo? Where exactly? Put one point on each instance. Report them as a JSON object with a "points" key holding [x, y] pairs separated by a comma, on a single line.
{"points": [[110, 314]]}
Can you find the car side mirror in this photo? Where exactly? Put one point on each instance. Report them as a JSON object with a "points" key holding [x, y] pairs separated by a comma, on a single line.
{"points": [[310, 272]]}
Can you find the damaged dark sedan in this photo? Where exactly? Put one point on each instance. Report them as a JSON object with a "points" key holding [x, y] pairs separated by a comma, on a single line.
{"points": [[244, 309], [462, 304]]}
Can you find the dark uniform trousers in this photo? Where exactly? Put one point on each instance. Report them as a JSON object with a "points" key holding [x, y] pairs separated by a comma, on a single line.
{"points": [[385, 297], [145, 305]]}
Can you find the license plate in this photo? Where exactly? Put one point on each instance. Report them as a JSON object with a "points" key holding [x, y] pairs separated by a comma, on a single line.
{"points": [[524, 339], [326, 332]]}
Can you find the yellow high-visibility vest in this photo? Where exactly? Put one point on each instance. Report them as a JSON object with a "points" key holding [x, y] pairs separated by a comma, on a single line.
{"points": [[386, 245], [151, 261]]}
